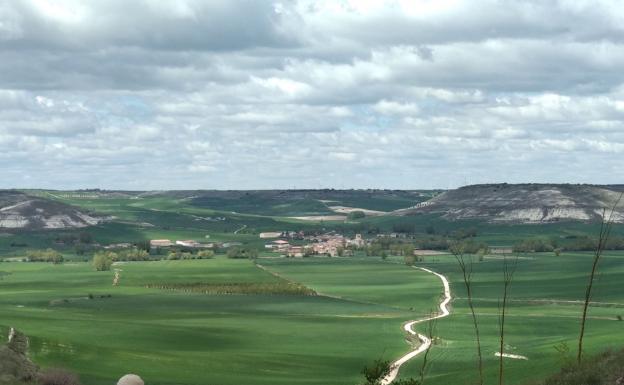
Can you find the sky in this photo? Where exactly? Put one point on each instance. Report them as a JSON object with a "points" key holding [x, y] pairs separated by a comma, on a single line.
{"points": [[256, 94]]}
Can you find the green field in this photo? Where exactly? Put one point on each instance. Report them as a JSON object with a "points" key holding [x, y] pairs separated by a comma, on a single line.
{"points": [[173, 337], [178, 338], [539, 316]]}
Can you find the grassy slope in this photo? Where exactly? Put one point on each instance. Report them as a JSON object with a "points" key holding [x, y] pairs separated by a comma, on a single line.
{"points": [[534, 328], [175, 338], [178, 338]]}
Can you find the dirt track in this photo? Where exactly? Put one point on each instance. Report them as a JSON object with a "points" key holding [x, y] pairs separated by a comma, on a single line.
{"points": [[425, 341]]}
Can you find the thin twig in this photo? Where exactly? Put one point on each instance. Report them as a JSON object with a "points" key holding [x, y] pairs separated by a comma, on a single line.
{"points": [[430, 332], [605, 230], [466, 269], [508, 273]]}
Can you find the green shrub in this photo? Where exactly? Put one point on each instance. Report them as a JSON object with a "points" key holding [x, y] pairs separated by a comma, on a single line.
{"points": [[239, 252], [48, 255], [103, 261], [535, 245], [205, 254], [135, 254], [603, 369], [356, 215]]}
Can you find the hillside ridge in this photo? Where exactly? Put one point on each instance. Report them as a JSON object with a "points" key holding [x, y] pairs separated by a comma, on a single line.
{"points": [[524, 203], [22, 211]]}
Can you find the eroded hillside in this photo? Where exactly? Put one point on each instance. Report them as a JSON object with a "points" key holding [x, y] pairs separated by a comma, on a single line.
{"points": [[22, 211], [524, 203]]}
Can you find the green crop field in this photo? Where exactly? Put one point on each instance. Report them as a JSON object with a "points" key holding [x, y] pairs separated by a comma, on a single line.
{"points": [[178, 337], [539, 316], [172, 337]]}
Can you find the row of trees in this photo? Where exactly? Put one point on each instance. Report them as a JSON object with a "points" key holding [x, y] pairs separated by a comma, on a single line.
{"points": [[103, 260], [577, 243], [48, 255], [179, 254], [241, 253]]}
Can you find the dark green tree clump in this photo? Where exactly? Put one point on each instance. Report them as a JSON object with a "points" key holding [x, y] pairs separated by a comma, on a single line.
{"points": [[356, 215], [48, 255]]}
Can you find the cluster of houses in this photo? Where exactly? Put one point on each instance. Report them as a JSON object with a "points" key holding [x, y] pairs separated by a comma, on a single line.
{"points": [[283, 234], [327, 244]]}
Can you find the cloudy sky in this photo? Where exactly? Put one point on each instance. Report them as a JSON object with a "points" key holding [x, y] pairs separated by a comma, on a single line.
{"points": [[235, 94]]}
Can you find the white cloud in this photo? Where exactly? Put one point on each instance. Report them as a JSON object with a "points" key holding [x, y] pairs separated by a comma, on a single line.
{"points": [[233, 94]]}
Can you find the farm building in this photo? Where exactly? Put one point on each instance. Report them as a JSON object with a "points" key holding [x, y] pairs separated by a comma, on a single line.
{"points": [[272, 234], [118, 246], [358, 241], [296, 251], [161, 243], [188, 243]]}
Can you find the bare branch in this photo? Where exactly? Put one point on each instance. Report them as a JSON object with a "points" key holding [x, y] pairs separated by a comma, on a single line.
{"points": [[605, 230], [508, 272], [466, 267]]}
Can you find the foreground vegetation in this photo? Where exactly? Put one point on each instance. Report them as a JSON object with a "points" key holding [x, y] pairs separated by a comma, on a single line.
{"points": [[605, 368]]}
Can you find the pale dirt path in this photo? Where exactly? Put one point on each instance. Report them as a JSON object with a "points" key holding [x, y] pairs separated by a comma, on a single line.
{"points": [[513, 356], [425, 341]]}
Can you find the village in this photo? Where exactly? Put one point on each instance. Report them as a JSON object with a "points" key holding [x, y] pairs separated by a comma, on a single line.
{"points": [[285, 243], [330, 244]]}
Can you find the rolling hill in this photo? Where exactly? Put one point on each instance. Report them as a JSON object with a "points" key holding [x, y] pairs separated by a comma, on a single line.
{"points": [[22, 211], [523, 203]]}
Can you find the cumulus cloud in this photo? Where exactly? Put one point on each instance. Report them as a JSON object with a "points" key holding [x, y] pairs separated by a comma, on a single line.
{"points": [[277, 94]]}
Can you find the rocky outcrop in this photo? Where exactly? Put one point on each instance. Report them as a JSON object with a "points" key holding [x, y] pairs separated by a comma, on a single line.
{"points": [[15, 366], [21, 211], [524, 203]]}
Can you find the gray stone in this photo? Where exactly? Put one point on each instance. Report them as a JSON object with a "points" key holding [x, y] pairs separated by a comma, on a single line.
{"points": [[15, 366], [18, 342], [130, 379]]}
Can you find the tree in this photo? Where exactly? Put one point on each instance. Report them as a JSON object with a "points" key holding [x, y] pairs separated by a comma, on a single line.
{"points": [[508, 271], [466, 265], [144, 245], [603, 237], [48, 255], [103, 261], [376, 372], [234, 252], [205, 254], [357, 214], [252, 253]]}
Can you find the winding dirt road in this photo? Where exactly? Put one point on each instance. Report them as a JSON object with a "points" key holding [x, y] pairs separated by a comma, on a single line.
{"points": [[425, 341]]}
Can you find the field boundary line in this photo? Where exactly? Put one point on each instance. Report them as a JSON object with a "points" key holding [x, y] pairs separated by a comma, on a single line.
{"points": [[319, 294]]}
